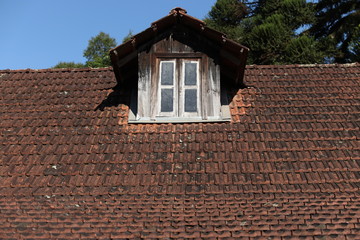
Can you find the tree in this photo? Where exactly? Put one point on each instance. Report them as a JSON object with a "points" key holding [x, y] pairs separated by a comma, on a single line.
{"points": [[128, 36], [228, 12], [354, 46], [270, 28], [97, 52], [226, 16], [274, 33], [69, 65], [339, 22]]}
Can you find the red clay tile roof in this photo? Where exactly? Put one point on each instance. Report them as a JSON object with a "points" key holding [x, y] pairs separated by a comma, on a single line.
{"points": [[287, 166]]}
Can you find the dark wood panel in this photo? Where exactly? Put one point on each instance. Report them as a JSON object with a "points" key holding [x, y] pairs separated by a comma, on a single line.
{"points": [[179, 55]]}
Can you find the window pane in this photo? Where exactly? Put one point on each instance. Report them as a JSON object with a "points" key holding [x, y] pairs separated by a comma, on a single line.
{"points": [[167, 73], [167, 100], [190, 100], [190, 73]]}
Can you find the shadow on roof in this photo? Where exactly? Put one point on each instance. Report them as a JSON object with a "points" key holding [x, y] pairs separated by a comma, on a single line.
{"points": [[117, 97]]}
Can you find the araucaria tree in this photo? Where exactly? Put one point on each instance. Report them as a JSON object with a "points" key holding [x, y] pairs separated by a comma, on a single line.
{"points": [[273, 33], [338, 22], [270, 28], [226, 16]]}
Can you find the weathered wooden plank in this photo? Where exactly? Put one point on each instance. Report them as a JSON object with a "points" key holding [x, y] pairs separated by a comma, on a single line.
{"points": [[204, 87], [179, 99], [178, 47], [163, 46], [154, 88], [178, 55], [183, 88], [144, 83], [213, 101], [224, 101]]}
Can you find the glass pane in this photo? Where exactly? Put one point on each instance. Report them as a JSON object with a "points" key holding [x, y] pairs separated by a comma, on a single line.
{"points": [[190, 100], [167, 100], [190, 73], [167, 73]]}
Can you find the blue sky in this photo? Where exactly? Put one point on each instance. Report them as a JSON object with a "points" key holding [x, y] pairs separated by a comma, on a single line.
{"points": [[39, 33]]}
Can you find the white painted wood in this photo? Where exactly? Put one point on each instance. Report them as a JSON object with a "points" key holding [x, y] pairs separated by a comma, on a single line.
{"points": [[204, 87], [213, 91], [225, 109], [183, 87], [178, 120], [144, 87], [174, 87], [225, 112], [154, 109]]}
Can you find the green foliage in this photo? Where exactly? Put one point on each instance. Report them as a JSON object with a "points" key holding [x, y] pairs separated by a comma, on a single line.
{"points": [[354, 45], [226, 16], [297, 12], [128, 36], [273, 36], [270, 30], [233, 32], [268, 40], [303, 49], [97, 52], [69, 65], [228, 12], [339, 20]]}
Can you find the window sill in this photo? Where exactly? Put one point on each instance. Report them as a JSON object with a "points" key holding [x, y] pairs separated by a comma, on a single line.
{"points": [[224, 117], [178, 120]]}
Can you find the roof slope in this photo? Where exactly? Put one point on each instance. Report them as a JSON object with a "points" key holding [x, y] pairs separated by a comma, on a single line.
{"points": [[288, 165]]}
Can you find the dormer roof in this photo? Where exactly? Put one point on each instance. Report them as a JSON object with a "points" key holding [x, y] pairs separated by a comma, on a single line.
{"points": [[232, 54]]}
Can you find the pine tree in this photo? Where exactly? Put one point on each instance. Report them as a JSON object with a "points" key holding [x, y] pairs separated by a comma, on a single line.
{"points": [[339, 21]]}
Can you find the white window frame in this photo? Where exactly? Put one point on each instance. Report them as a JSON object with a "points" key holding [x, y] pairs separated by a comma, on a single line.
{"points": [[184, 87], [174, 87], [146, 101], [179, 88]]}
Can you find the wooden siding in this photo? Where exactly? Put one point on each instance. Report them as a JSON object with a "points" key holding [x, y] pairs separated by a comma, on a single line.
{"points": [[144, 79], [172, 47]]}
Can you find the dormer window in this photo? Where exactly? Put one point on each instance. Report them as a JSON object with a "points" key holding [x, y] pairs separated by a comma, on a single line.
{"points": [[178, 70], [177, 87]]}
